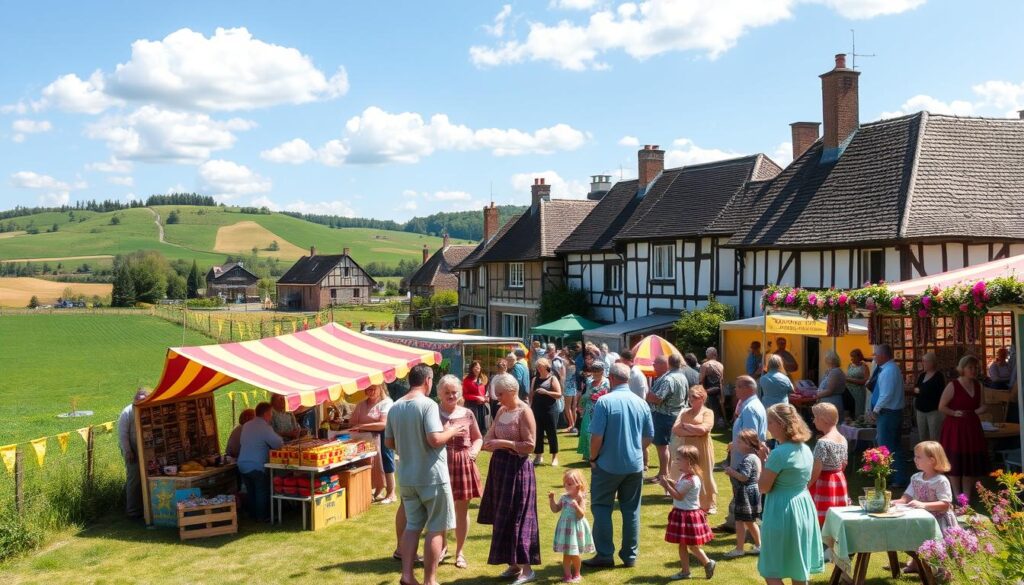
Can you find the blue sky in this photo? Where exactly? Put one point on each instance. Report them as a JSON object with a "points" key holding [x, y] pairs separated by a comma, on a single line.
{"points": [[385, 110]]}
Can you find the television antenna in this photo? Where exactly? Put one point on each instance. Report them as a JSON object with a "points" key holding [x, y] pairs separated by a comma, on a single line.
{"points": [[853, 50]]}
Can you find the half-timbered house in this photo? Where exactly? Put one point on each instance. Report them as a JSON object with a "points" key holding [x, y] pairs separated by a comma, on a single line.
{"points": [[435, 274], [233, 282], [518, 265], [890, 200], [318, 281]]}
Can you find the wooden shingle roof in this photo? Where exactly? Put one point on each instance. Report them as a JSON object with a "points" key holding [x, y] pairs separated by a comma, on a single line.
{"points": [[437, 270], [537, 233]]}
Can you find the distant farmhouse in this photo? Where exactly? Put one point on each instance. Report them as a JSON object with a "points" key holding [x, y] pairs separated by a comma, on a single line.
{"points": [[436, 274], [233, 282], [318, 281]]}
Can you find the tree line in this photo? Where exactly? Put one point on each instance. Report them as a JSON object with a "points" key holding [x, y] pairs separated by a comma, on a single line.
{"points": [[462, 225], [181, 199]]}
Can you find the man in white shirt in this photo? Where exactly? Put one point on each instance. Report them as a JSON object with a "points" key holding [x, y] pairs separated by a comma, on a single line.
{"points": [[637, 379], [557, 365]]}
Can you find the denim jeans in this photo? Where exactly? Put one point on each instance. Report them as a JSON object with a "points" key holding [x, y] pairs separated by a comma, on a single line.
{"points": [[605, 488], [257, 490], [890, 434]]}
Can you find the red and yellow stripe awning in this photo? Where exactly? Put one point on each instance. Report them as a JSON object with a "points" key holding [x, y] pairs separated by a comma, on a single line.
{"points": [[648, 349], [306, 367]]}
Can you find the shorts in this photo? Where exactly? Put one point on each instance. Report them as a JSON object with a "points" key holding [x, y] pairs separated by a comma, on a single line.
{"points": [[428, 506], [387, 459], [663, 424], [569, 389]]}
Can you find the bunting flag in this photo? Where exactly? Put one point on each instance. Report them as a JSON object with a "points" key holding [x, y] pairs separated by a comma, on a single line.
{"points": [[220, 327], [245, 399], [108, 427], [39, 445], [242, 330], [256, 396], [231, 396], [277, 329], [318, 322], [84, 433], [62, 440], [9, 453]]}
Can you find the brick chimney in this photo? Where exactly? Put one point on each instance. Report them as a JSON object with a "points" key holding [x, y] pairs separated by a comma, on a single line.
{"points": [[840, 107], [540, 192], [804, 135], [312, 251], [426, 253], [490, 221], [651, 161], [444, 240], [346, 251]]}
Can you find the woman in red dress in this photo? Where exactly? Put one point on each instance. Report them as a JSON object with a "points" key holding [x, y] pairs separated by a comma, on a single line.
{"points": [[962, 436], [474, 393], [828, 483]]}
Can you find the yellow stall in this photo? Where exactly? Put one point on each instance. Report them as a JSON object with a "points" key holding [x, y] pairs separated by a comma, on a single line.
{"points": [[806, 339]]}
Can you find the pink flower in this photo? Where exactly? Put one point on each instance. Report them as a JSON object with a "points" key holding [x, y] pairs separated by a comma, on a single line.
{"points": [[986, 296], [926, 301], [843, 299], [935, 291], [990, 548], [897, 303], [962, 500], [820, 303], [978, 288], [773, 297], [869, 303], [790, 299], [812, 299]]}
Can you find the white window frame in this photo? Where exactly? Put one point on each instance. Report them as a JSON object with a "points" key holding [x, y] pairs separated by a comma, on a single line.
{"points": [[514, 270], [613, 277], [463, 280], [480, 276], [511, 322], [663, 262]]}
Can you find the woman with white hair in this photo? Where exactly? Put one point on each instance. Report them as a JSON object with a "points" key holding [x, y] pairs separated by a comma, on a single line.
{"points": [[509, 503], [462, 450]]}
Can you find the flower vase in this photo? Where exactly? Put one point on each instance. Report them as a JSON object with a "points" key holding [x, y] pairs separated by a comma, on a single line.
{"points": [[878, 498]]}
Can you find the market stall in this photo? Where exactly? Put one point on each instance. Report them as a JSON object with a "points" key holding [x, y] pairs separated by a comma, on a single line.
{"points": [[568, 328], [457, 350], [649, 349], [176, 425], [626, 334]]}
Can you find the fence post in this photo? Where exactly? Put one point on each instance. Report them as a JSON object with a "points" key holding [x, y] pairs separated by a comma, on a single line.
{"points": [[19, 481], [89, 460], [209, 323], [261, 327], [231, 330], [233, 417]]}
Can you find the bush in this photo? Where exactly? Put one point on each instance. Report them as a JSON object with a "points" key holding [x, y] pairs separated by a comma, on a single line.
{"points": [[204, 303], [559, 302], [115, 220], [697, 330]]}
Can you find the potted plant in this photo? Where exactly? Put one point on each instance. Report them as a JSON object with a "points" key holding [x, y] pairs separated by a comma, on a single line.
{"points": [[877, 463]]}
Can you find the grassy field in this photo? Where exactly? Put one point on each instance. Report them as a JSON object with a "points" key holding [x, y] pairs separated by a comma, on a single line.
{"points": [[97, 361], [356, 552], [17, 291]]}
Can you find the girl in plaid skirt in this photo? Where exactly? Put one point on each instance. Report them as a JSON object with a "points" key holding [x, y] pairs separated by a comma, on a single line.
{"points": [[687, 522], [572, 533]]}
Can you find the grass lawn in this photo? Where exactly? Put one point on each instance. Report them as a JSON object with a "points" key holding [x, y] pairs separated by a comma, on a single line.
{"points": [[96, 360], [355, 552]]}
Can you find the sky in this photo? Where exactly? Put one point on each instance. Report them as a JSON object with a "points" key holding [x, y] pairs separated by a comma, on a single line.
{"points": [[392, 110]]}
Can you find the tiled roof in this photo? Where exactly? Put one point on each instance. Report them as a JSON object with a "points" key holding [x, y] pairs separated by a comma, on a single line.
{"points": [[437, 270], [313, 269], [223, 269], [536, 234], [596, 232], [857, 199], [685, 202], [483, 246]]}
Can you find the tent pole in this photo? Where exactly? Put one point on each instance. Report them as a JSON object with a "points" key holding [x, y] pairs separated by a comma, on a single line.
{"points": [[764, 341]]}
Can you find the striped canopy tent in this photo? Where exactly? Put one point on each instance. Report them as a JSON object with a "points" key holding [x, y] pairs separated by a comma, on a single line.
{"points": [[306, 367], [648, 349]]}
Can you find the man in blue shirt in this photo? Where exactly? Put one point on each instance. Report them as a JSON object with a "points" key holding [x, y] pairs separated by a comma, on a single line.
{"points": [[621, 428], [750, 414], [755, 360], [887, 409], [521, 372], [258, 438]]}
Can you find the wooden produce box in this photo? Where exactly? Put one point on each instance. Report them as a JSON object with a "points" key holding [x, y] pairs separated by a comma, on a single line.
{"points": [[358, 488], [328, 510], [206, 521]]}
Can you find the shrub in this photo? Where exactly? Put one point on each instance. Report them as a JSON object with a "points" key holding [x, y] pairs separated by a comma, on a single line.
{"points": [[697, 330], [559, 302]]}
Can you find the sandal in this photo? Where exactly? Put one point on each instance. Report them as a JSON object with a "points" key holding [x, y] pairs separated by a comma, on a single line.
{"points": [[385, 501], [460, 561], [510, 572]]}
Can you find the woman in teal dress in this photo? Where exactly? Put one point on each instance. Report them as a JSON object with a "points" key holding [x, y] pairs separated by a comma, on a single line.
{"points": [[790, 536], [597, 385]]}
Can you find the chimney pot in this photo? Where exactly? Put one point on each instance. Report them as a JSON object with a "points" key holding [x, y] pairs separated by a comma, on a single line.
{"points": [[346, 251], [539, 192], [312, 251], [426, 253], [650, 162], [841, 61], [490, 221], [840, 105], [444, 240]]}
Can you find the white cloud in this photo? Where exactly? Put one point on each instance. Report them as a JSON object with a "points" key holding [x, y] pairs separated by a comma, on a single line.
{"points": [[293, 152], [629, 141], [227, 71], [685, 152], [130, 197], [176, 188], [57, 192], [20, 108], [72, 94], [653, 27], [110, 166], [154, 135], [123, 181], [498, 28], [933, 105], [560, 188], [337, 207], [377, 136], [438, 195], [227, 180], [573, 4], [408, 206], [783, 154], [31, 126], [1002, 95]]}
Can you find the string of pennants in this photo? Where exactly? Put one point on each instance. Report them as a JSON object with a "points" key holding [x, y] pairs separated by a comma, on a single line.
{"points": [[244, 396], [8, 452]]}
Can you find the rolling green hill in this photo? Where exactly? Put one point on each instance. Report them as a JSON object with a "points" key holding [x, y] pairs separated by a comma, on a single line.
{"points": [[205, 234]]}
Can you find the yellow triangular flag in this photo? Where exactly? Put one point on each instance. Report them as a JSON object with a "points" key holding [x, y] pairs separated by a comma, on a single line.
{"points": [[231, 396], [220, 327], [8, 453], [245, 399], [295, 326], [108, 426], [242, 334], [277, 329], [256, 396], [62, 440], [84, 433], [40, 448]]}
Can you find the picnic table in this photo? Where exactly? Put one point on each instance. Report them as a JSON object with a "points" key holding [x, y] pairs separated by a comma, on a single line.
{"points": [[852, 535]]}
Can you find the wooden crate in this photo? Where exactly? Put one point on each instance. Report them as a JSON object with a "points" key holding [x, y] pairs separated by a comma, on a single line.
{"points": [[328, 510], [206, 521], [358, 489]]}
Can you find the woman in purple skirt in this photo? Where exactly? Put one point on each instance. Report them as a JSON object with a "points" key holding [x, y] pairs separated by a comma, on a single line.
{"points": [[509, 503]]}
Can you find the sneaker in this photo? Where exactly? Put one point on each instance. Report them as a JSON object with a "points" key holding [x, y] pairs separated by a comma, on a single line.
{"points": [[525, 578], [755, 550], [554, 462], [679, 576], [512, 571], [734, 554], [710, 569]]}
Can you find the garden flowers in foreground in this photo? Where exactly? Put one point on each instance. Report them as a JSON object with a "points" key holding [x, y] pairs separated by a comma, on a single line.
{"points": [[987, 550]]}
